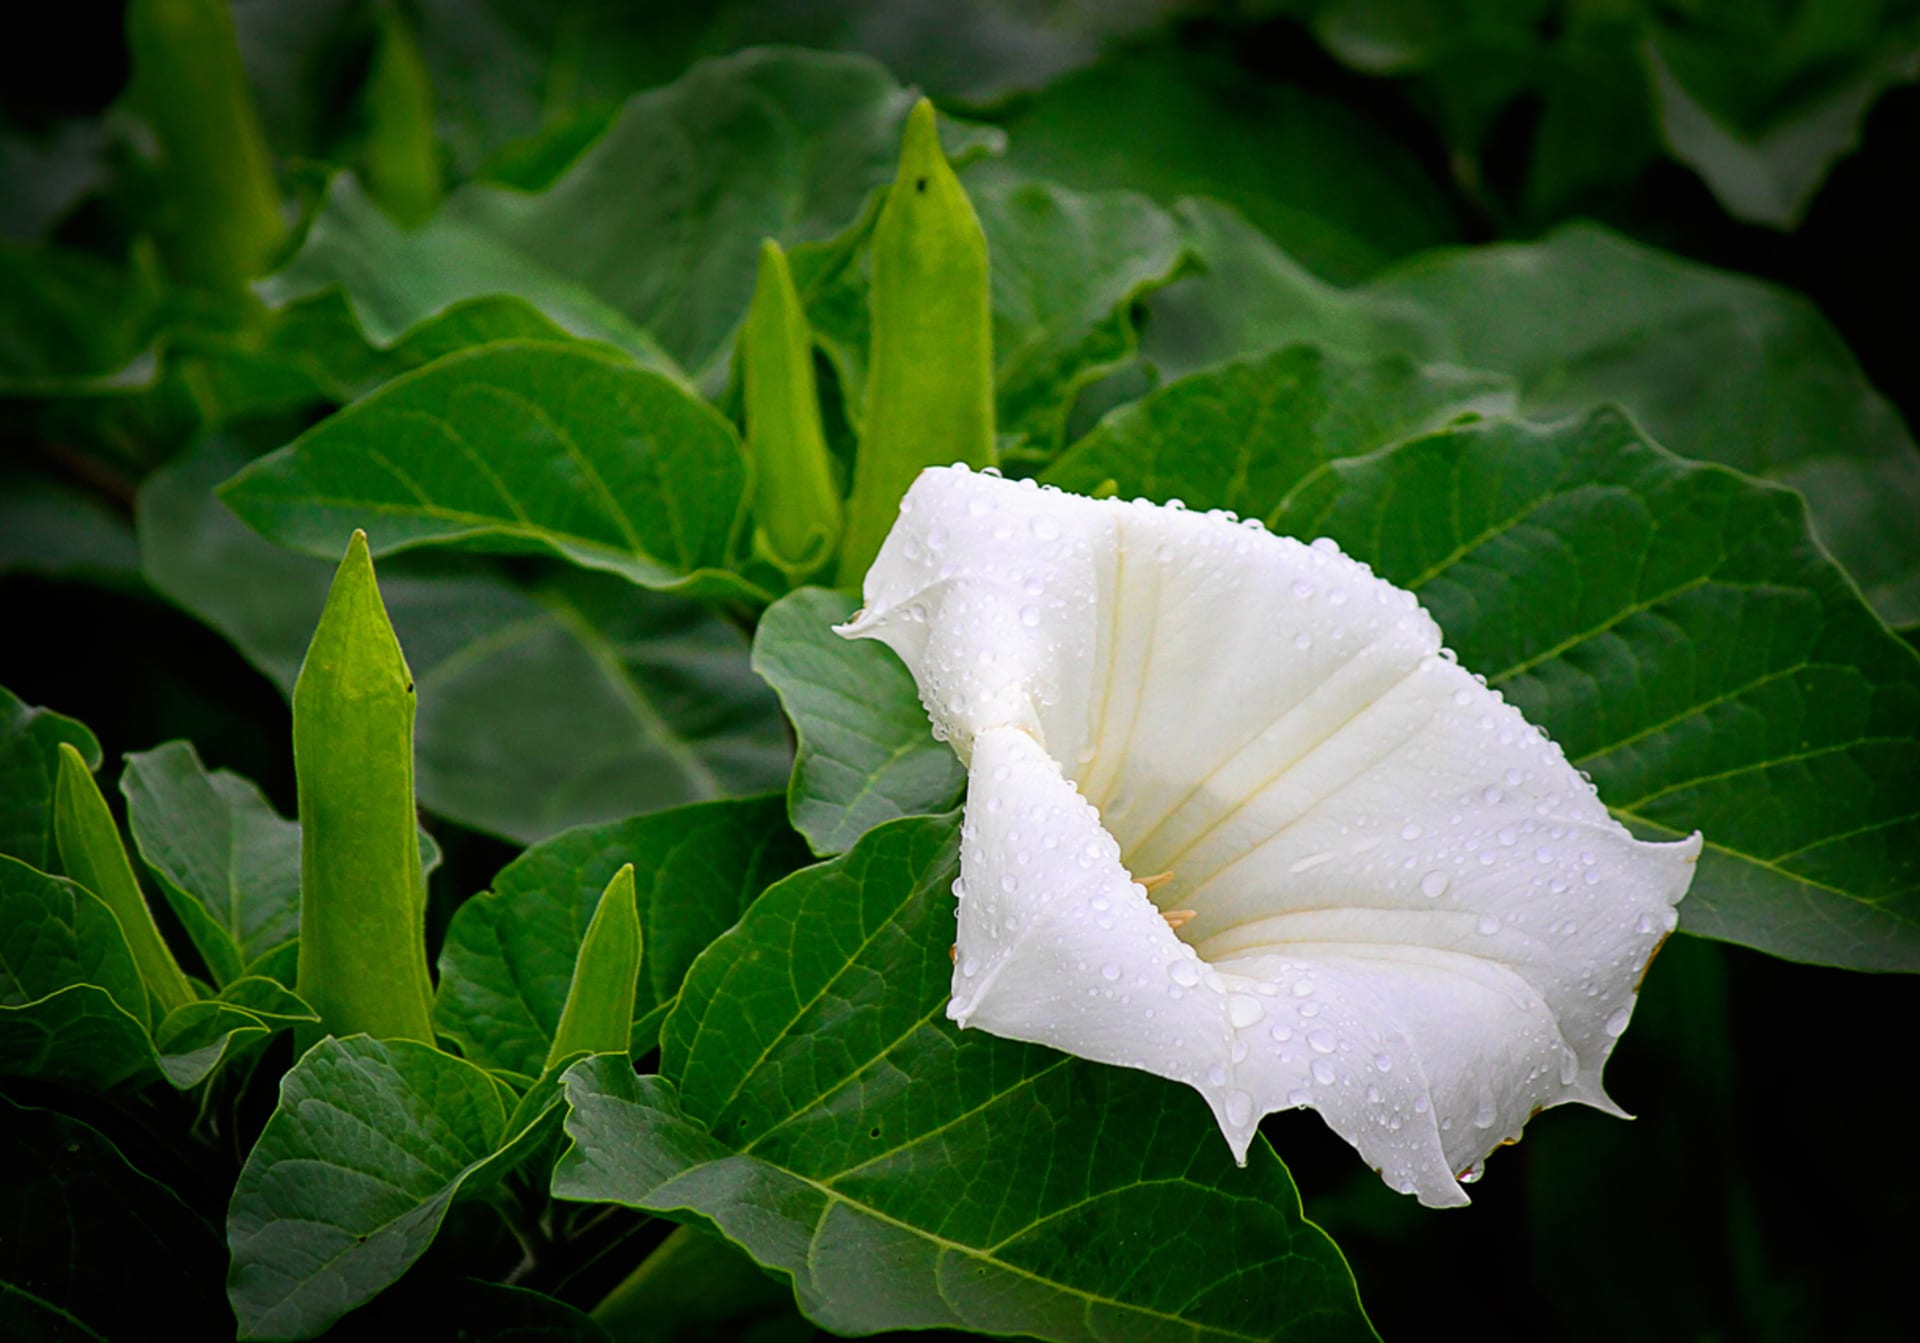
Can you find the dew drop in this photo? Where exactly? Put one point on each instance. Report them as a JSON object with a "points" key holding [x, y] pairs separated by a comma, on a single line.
{"points": [[1239, 1108], [1617, 1023], [1323, 1072], [1030, 616], [970, 967], [1488, 925], [1243, 1010], [1303, 641], [1410, 830], [1046, 528], [1384, 1062], [1109, 972], [1434, 884], [1184, 974], [1321, 1039]]}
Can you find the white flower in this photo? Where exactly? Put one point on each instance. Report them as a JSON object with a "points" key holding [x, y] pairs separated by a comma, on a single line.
{"points": [[1395, 901]]}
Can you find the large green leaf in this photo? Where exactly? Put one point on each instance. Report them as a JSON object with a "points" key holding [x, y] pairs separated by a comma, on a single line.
{"points": [[1336, 192], [865, 754], [659, 220], [815, 1106], [1714, 365], [1688, 643], [348, 1184], [517, 447], [398, 281], [563, 701], [1245, 295], [510, 952], [29, 762], [93, 1244], [1242, 435]]}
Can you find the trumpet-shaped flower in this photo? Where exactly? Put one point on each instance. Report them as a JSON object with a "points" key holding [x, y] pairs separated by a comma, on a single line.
{"points": [[1236, 818]]}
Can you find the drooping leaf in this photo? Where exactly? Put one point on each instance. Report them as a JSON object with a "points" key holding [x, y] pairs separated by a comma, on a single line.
{"points": [[865, 755], [371, 1144], [29, 763], [816, 1108], [1241, 436], [518, 447], [194, 1040], [568, 700], [510, 952], [1716, 366], [93, 1242], [1679, 631]]}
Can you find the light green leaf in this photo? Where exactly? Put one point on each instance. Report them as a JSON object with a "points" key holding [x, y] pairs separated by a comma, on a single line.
{"points": [[817, 1109], [371, 1144], [865, 752], [510, 952], [29, 763], [1680, 633], [562, 701], [1243, 435], [195, 1040], [518, 447]]}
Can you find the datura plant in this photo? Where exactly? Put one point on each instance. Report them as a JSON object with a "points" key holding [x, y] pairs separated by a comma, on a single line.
{"points": [[1237, 818]]}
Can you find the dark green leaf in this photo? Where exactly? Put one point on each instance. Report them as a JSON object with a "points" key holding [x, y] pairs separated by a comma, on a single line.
{"points": [[93, 1245], [76, 1034], [1244, 435], [817, 1109], [196, 1039], [543, 705], [29, 763], [371, 1144], [1715, 366], [510, 952], [228, 863], [72, 324], [1330, 187], [54, 933], [517, 447], [865, 753], [1246, 296], [1683, 637], [398, 281]]}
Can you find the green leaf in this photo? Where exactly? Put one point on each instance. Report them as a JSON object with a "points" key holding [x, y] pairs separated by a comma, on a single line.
{"points": [[1243, 435], [817, 1109], [363, 895], [1330, 187], [659, 220], [564, 700], [401, 284], [195, 1040], [1247, 296], [74, 324], [92, 853], [94, 1243], [72, 1005], [1680, 633], [1716, 366], [350, 1180], [30, 741], [865, 753], [598, 1014], [510, 952], [228, 863], [518, 447]]}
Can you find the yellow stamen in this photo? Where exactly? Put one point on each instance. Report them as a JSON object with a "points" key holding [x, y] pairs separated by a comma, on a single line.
{"points": [[1154, 882], [1177, 918]]}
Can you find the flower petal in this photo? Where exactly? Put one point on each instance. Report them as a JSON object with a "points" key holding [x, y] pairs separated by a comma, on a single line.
{"points": [[1410, 912]]}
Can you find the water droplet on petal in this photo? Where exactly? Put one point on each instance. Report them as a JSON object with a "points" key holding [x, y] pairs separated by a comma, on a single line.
{"points": [[1323, 1072], [1239, 1108], [1618, 1021], [1109, 972], [1184, 973], [1243, 1010], [1030, 616], [1321, 1039], [1434, 884]]}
